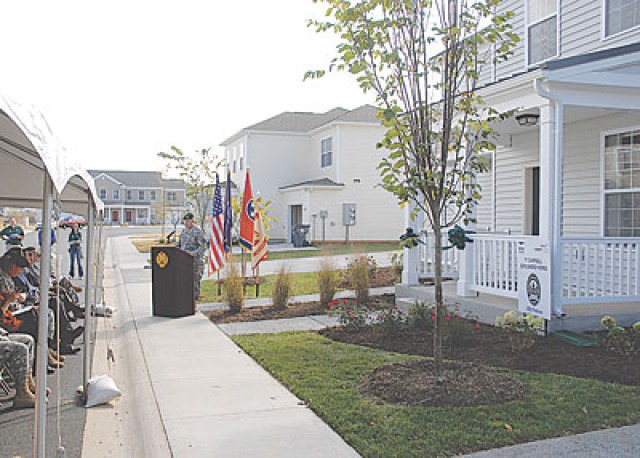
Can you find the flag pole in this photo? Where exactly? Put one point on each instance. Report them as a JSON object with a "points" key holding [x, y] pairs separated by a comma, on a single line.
{"points": [[257, 275]]}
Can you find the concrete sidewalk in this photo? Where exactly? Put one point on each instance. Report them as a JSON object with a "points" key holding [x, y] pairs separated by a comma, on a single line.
{"points": [[189, 391]]}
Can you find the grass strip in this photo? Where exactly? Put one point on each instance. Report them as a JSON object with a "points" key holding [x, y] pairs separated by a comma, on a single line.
{"points": [[325, 375], [301, 283], [144, 242]]}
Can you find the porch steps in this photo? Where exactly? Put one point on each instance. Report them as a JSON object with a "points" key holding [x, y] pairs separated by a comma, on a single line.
{"points": [[576, 339]]}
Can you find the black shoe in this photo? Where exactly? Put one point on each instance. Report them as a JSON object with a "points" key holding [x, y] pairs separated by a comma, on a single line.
{"points": [[50, 370], [69, 350]]}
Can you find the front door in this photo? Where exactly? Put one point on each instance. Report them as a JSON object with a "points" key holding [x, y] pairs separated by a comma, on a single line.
{"points": [[296, 217], [532, 201], [128, 216], [115, 216]]}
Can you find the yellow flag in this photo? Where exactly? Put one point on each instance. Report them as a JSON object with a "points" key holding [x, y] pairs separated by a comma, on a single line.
{"points": [[260, 250]]}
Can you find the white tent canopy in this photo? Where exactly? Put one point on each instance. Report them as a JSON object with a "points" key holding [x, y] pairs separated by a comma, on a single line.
{"points": [[28, 149], [35, 170]]}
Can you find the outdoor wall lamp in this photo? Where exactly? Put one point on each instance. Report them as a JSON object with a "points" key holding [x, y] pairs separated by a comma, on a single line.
{"points": [[527, 119]]}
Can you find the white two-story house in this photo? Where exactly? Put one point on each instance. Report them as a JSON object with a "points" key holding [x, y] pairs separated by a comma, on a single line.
{"points": [[133, 197], [567, 169], [318, 169]]}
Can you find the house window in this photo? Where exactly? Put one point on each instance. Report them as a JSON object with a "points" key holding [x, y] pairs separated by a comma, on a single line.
{"points": [[116, 194], [140, 195], [129, 195], [171, 196], [621, 15], [241, 160], [622, 184], [233, 167], [542, 30], [152, 195], [103, 194], [326, 147]]}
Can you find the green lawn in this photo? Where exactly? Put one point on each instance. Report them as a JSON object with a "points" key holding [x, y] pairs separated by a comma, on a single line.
{"points": [[325, 373], [301, 283], [331, 249], [143, 243]]}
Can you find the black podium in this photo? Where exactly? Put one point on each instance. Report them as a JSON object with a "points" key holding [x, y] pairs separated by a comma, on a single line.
{"points": [[172, 280]]}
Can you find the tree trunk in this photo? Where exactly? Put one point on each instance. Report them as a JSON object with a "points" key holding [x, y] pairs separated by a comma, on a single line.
{"points": [[439, 304]]}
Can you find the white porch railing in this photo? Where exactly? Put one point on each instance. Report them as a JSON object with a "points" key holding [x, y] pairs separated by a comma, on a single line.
{"points": [[426, 269], [593, 269], [495, 264], [600, 270]]}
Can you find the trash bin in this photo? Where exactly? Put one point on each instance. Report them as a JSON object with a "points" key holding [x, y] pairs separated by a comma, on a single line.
{"points": [[299, 235]]}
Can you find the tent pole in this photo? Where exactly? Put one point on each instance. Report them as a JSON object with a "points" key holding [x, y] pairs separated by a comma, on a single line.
{"points": [[89, 296], [43, 316]]}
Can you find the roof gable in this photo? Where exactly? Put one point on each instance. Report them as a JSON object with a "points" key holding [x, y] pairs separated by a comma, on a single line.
{"points": [[137, 179]]}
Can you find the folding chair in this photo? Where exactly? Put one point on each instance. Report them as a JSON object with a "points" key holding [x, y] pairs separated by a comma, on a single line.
{"points": [[4, 386]]}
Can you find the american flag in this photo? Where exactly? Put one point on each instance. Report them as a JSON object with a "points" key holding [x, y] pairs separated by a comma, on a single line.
{"points": [[216, 243]]}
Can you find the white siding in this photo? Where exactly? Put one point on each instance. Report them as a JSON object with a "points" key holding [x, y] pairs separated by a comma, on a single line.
{"points": [[510, 177], [582, 185], [516, 63], [582, 212], [379, 217], [484, 209], [275, 161], [580, 32]]}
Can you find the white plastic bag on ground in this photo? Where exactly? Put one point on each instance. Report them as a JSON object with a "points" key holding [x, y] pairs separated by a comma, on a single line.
{"points": [[103, 310], [100, 390]]}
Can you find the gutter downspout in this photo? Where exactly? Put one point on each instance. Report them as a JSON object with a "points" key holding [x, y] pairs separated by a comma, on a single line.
{"points": [[556, 205]]}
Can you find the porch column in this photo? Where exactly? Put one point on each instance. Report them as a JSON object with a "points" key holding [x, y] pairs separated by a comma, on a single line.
{"points": [[465, 266], [551, 154], [547, 191], [411, 256]]}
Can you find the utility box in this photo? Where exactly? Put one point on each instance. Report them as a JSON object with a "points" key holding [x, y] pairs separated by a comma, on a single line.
{"points": [[349, 214]]}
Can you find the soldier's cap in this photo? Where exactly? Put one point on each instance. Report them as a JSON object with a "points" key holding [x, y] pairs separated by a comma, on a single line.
{"points": [[188, 216], [14, 256]]}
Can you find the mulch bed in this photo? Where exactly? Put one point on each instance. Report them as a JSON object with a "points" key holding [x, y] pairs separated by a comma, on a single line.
{"points": [[465, 385], [489, 346], [471, 355], [292, 311], [384, 276]]}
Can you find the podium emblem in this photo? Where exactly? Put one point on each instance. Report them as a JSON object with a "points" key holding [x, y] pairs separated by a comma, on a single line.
{"points": [[162, 259]]}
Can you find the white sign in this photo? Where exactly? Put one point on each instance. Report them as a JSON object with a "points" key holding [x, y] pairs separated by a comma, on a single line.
{"points": [[534, 278]]}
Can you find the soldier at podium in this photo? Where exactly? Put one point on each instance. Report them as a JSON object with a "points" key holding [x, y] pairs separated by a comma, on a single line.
{"points": [[193, 241]]}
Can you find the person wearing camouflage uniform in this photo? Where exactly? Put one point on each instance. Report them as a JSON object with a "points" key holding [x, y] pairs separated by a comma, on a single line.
{"points": [[193, 241]]}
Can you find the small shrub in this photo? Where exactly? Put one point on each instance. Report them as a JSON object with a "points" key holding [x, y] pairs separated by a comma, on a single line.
{"points": [[420, 315], [282, 289], [350, 315], [459, 327], [524, 329], [391, 321], [397, 262], [327, 281], [624, 341], [358, 276], [233, 292]]}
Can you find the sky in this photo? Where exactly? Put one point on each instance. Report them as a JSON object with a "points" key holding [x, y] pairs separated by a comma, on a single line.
{"points": [[120, 81]]}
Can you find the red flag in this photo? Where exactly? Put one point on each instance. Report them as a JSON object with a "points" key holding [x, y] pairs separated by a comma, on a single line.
{"points": [[247, 216], [216, 243], [260, 249]]}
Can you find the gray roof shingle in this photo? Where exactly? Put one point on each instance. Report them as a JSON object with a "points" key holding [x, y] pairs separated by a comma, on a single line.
{"points": [[302, 122], [140, 179]]}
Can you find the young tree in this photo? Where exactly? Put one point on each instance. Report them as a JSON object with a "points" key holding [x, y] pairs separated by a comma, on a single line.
{"points": [[199, 174], [421, 59]]}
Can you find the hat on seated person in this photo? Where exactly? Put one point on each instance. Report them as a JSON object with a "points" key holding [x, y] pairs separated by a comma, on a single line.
{"points": [[188, 216], [15, 257]]}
